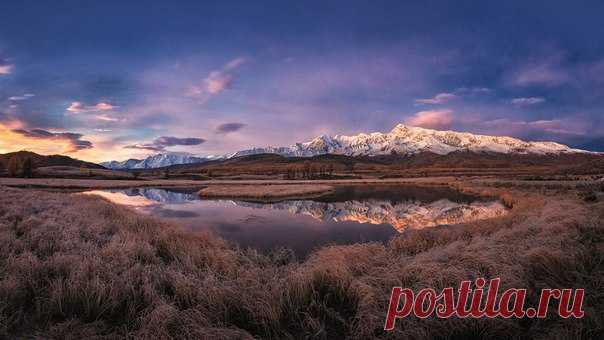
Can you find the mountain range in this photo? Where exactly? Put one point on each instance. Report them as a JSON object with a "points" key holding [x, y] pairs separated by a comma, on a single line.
{"points": [[158, 161], [402, 140]]}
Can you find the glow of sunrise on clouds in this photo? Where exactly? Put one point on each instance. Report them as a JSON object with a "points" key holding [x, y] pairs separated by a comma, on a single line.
{"points": [[212, 80]]}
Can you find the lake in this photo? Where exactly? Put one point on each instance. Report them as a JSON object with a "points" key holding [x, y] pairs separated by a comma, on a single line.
{"points": [[350, 214]]}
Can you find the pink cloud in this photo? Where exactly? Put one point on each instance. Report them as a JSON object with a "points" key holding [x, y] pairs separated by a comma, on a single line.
{"points": [[434, 119], [78, 107], [217, 81]]}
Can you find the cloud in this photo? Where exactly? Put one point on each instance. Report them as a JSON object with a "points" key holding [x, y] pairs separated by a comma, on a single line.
{"points": [[23, 97], [161, 143], [107, 118], [475, 90], [217, 81], [5, 67], [78, 107], [74, 140], [434, 119], [229, 127], [546, 71], [516, 127], [527, 100], [440, 98]]}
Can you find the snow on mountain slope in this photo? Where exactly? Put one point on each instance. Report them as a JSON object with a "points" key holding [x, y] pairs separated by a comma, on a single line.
{"points": [[405, 140]]}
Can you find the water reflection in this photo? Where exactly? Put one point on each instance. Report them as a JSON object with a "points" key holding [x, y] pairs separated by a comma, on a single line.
{"points": [[402, 215], [349, 215]]}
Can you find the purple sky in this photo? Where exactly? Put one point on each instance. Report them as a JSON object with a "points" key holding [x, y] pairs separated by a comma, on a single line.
{"points": [[113, 80]]}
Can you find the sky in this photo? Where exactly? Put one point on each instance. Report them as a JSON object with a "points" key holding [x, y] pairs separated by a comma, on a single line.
{"points": [[112, 80]]}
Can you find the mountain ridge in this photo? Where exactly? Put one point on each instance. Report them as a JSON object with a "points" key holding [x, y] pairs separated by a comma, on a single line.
{"points": [[401, 140]]}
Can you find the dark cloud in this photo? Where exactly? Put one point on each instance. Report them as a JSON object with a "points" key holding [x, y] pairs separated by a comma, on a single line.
{"points": [[161, 143], [229, 127], [74, 139]]}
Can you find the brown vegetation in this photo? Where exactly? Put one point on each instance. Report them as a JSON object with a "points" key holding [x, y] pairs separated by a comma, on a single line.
{"points": [[423, 164], [42, 161], [78, 266], [67, 183]]}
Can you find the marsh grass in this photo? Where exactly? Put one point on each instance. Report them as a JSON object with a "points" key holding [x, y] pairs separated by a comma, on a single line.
{"points": [[74, 266]]}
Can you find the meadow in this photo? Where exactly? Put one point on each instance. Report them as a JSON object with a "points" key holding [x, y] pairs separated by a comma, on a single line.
{"points": [[74, 266]]}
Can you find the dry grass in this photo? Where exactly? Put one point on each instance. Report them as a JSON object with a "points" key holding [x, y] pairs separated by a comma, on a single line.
{"points": [[76, 172], [265, 192], [74, 267]]}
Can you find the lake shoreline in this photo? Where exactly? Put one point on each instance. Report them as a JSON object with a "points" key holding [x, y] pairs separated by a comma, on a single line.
{"points": [[265, 192]]}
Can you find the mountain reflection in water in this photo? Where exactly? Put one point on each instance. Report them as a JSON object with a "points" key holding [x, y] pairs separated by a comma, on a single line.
{"points": [[403, 215], [350, 214]]}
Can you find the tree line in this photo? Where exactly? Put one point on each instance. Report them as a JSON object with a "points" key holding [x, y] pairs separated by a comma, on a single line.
{"points": [[20, 167], [308, 170]]}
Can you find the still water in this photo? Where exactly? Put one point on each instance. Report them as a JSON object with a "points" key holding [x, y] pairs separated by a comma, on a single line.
{"points": [[350, 214]]}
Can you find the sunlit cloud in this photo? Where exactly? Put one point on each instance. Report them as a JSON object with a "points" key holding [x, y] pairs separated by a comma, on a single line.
{"points": [[217, 81], [78, 107], [433, 119], [161, 143], [527, 100], [74, 140], [440, 98], [14, 138]]}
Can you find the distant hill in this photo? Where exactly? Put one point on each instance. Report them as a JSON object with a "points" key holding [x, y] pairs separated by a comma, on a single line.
{"points": [[39, 161]]}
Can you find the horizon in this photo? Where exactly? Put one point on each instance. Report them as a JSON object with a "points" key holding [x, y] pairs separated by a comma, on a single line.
{"points": [[115, 81]]}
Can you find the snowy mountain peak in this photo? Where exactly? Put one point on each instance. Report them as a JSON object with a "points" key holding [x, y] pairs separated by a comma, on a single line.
{"points": [[406, 140]]}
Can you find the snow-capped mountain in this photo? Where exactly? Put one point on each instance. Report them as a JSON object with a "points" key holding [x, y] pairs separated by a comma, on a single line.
{"points": [[402, 140], [405, 140], [158, 161]]}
